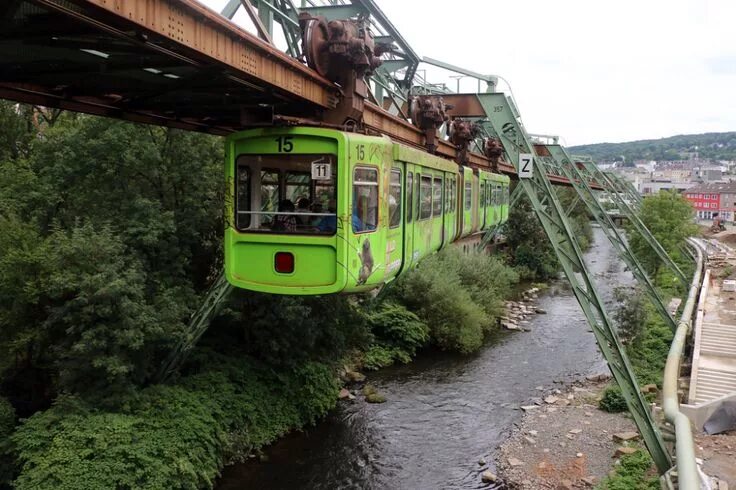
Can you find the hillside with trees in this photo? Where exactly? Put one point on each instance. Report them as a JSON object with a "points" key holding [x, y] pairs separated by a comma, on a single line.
{"points": [[715, 146]]}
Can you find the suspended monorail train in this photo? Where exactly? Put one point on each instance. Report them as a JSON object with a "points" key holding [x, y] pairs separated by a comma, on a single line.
{"points": [[319, 211]]}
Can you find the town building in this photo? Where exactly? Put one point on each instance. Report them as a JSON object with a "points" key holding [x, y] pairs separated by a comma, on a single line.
{"points": [[713, 199]]}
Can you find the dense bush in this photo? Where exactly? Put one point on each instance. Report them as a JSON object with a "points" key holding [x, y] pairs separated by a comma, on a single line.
{"points": [[7, 423], [634, 473], [630, 313], [613, 400], [75, 301], [398, 334], [668, 216], [648, 353], [529, 247], [171, 436], [289, 330], [456, 296]]}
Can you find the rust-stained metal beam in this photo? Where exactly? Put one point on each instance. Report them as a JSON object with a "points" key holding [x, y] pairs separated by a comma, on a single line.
{"points": [[203, 35], [176, 63]]}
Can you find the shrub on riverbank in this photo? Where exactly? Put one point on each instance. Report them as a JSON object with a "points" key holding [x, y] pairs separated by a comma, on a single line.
{"points": [[398, 335], [171, 436], [634, 472], [458, 297]]}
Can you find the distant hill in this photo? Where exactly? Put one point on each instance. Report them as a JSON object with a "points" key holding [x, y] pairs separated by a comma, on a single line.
{"points": [[716, 146]]}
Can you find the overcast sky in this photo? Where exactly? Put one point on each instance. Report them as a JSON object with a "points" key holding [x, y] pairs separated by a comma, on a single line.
{"points": [[590, 71]]}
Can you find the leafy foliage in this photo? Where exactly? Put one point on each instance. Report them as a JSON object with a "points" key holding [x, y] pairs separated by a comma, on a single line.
{"points": [[171, 436], [634, 473], [453, 296], [630, 314], [668, 216], [289, 330], [530, 250], [7, 423], [398, 335], [613, 400]]}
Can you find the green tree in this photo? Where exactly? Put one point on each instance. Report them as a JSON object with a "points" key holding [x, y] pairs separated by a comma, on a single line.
{"points": [[669, 217], [529, 247]]}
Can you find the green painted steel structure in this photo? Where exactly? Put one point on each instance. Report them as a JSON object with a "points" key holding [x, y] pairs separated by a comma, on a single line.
{"points": [[587, 195], [503, 121], [615, 191]]}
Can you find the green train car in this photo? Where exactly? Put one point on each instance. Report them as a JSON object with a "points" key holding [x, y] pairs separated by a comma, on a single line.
{"points": [[320, 211]]}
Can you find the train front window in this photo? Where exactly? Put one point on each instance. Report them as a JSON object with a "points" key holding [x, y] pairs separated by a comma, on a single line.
{"points": [[365, 199], [286, 193]]}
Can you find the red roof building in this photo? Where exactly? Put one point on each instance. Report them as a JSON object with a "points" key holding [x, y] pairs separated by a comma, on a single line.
{"points": [[714, 199]]}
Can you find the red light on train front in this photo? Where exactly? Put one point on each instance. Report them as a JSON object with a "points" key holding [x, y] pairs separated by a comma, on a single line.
{"points": [[283, 262]]}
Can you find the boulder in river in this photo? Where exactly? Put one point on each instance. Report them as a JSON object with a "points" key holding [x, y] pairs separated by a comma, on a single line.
{"points": [[489, 477]]}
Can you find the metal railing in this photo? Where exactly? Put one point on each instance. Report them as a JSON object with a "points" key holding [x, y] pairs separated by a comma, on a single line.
{"points": [[687, 470]]}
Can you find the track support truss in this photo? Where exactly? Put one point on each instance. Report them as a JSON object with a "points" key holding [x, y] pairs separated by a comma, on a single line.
{"points": [[503, 121], [586, 194]]}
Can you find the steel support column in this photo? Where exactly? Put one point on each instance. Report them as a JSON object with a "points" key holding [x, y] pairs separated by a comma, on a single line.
{"points": [[504, 123], [636, 222], [198, 325], [580, 184]]}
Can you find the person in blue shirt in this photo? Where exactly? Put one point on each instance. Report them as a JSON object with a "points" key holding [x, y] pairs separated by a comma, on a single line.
{"points": [[329, 223]]}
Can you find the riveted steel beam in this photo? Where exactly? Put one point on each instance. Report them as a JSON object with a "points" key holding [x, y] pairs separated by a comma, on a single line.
{"points": [[503, 121], [586, 194], [612, 190]]}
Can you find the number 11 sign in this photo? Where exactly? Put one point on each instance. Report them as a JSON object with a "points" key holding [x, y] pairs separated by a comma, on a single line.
{"points": [[526, 165]]}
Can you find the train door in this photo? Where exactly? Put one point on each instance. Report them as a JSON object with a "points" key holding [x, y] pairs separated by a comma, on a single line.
{"points": [[409, 214], [395, 236], [448, 210]]}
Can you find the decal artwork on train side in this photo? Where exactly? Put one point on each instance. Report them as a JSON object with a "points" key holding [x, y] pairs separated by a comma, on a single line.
{"points": [[319, 211]]}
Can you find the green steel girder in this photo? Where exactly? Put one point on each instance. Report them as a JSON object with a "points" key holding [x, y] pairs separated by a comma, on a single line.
{"points": [[503, 121], [334, 12], [198, 325], [572, 205], [587, 195], [633, 217]]}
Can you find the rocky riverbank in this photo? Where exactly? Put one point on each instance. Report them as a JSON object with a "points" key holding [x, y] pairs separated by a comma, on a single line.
{"points": [[564, 441], [516, 312]]}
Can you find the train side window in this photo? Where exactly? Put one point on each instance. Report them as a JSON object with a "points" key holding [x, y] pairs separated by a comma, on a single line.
{"points": [[418, 194], [468, 195], [409, 196], [394, 199], [437, 197], [365, 199], [425, 197], [242, 198]]}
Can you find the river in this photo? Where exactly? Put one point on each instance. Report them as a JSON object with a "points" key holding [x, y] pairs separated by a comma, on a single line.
{"points": [[444, 412]]}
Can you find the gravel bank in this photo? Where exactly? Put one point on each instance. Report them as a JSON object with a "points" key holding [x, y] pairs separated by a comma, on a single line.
{"points": [[564, 441]]}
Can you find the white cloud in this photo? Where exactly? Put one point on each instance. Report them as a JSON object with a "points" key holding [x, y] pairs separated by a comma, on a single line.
{"points": [[591, 71]]}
